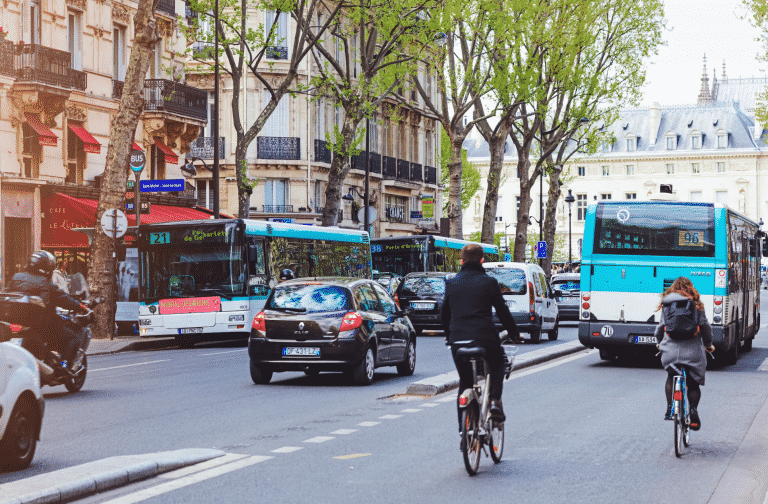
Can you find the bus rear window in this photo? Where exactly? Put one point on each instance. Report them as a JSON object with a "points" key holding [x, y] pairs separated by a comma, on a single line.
{"points": [[655, 229]]}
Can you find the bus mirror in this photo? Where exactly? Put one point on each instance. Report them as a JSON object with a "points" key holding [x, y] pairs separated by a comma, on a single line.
{"points": [[440, 259]]}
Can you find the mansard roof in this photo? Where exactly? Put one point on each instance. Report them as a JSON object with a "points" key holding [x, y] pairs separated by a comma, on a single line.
{"points": [[742, 91]]}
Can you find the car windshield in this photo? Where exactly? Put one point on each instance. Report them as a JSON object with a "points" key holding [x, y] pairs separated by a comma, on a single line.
{"points": [[567, 286], [511, 280], [309, 298], [424, 285]]}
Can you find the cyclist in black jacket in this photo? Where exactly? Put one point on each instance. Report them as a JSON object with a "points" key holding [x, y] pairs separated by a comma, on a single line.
{"points": [[36, 281], [467, 315]]}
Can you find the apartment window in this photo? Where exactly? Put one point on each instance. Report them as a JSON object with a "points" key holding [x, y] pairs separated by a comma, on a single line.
{"points": [[275, 195], [722, 141], [606, 147], [415, 150], [582, 171], [155, 70], [721, 197], [605, 196], [278, 123], [321, 119], [204, 190], [696, 196], [671, 142], [118, 53], [631, 196], [278, 44], [670, 169], [696, 141], [429, 151], [74, 39], [630, 169], [581, 207], [34, 22], [395, 208], [606, 171], [318, 201], [721, 167], [75, 156], [695, 168], [631, 144], [32, 151]]}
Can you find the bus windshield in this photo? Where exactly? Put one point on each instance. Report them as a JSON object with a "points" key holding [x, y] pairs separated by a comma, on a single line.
{"points": [[662, 229]]}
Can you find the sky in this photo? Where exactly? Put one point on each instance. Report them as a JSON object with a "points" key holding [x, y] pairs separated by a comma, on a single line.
{"points": [[696, 28]]}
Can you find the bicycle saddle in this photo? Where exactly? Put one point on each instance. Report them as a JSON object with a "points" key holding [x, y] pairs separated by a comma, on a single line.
{"points": [[471, 351]]}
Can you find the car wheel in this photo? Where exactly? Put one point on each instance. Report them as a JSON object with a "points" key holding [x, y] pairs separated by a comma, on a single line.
{"points": [[408, 365], [418, 330], [17, 447], [363, 372], [259, 374], [554, 332], [536, 334]]}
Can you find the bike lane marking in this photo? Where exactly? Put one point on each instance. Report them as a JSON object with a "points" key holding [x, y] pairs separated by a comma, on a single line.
{"points": [[390, 417], [344, 431], [128, 365], [288, 449], [319, 439], [368, 424]]}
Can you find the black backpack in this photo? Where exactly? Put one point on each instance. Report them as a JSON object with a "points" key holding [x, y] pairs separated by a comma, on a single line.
{"points": [[680, 319]]}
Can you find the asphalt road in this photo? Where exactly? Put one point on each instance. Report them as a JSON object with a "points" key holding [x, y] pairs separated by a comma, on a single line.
{"points": [[579, 430]]}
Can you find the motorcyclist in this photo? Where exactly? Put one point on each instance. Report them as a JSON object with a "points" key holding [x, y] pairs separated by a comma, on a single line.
{"points": [[36, 281]]}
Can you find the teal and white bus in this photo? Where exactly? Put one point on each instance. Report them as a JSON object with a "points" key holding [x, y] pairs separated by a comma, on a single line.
{"points": [[207, 279], [421, 253], [633, 251]]}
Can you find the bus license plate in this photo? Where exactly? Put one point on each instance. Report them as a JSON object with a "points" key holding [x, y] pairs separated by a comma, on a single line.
{"points": [[191, 330], [646, 339], [301, 351]]}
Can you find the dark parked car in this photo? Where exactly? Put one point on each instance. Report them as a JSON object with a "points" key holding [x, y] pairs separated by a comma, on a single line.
{"points": [[423, 293], [570, 289], [330, 324]]}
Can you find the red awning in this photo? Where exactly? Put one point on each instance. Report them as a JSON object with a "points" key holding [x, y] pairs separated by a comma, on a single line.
{"points": [[46, 135], [62, 213], [90, 144], [170, 156], [137, 147]]}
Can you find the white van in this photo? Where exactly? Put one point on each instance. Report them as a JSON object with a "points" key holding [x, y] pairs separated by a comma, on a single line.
{"points": [[529, 297]]}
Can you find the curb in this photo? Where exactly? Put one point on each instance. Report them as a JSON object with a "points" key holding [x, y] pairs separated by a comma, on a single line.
{"points": [[448, 381], [116, 346], [88, 479]]}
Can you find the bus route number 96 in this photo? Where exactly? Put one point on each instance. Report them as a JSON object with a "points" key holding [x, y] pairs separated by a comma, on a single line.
{"points": [[690, 239]]}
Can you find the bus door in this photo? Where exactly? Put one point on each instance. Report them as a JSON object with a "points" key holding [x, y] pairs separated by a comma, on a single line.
{"points": [[259, 279]]}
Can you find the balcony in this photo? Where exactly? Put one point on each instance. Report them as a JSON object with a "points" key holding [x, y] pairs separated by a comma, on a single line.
{"points": [[277, 53], [278, 208], [416, 172], [390, 167], [403, 170], [35, 63], [79, 80], [202, 147], [117, 89], [162, 95], [322, 151], [359, 160], [7, 54], [167, 7], [284, 148], [430, 175]]}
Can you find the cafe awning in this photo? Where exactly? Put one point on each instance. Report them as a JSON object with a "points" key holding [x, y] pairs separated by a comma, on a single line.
{"points": [[137, 146], [46, 135], [170, 156], [90, 144]]}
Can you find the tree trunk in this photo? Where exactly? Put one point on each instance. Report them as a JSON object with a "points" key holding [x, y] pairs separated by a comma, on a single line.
{"points": [[550, 219], [339, 169], [521, 231], [102, 268], [455, 169], [496, 146]]}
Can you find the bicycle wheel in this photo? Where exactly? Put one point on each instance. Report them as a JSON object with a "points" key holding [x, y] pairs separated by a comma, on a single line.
{"points": [[496, 440], [470, 435], [678, 429], [686, 420]]}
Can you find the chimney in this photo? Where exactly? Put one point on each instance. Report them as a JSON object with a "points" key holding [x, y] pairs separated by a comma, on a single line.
{"points": [[655, 122]]}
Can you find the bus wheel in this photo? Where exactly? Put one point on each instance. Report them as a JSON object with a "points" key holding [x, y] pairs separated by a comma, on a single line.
{"points": [[748, 345], [732, 355]]}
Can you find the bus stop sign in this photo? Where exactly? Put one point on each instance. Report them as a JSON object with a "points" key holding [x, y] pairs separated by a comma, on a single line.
{"points": [[138, 160], [541, 250]]}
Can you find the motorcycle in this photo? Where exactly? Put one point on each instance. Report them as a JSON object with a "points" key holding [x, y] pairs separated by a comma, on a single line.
{"points": [[19, 312]]}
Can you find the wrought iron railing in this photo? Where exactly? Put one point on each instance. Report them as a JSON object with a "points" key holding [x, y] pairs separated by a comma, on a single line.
{"points": [[36, 63], [403, 169], [164, 95], [430, 175], [278, 208], [79, 79], [7, 53], [359, 160], [390, 167], [277, 52], [416, 172], [167, 7], [278, 147], [190, 13], [202, 147], [322, 151], [117, 88]]}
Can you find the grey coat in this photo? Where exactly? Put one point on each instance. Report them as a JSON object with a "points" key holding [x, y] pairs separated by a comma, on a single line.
{"points": [[690, 352]]}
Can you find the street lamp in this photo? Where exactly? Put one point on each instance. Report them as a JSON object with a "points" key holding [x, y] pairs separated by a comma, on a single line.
{"points": [[189, 170], [569, 199], [215, 170]]}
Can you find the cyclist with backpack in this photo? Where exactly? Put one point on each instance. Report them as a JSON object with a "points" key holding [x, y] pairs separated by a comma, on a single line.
{"points": [[686, 335]]}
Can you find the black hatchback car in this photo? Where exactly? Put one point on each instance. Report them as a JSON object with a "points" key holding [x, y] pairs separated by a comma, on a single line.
{"points": [[330, 324], [423, 294]]}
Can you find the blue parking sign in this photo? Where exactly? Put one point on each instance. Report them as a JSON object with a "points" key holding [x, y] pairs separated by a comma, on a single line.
{"points": [[541, 250]]}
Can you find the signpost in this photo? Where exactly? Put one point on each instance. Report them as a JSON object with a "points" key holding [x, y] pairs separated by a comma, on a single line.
{"points": [[114, 223], [541, 250], [138, 160]]}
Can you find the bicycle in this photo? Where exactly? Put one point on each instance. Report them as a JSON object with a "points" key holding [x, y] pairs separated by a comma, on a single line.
{"points": [[478, 428], [681, 411]]}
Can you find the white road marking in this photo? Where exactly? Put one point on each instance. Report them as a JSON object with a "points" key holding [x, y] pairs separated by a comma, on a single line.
{"points": [[447, 399], [128, 365], [368, 424], [344, 431], [536, 369], [219, 353], [429, 405], [287, 449], [411, 410], [226, 459], [175, 484], [390, 417], [763, 366], [319, 439]]}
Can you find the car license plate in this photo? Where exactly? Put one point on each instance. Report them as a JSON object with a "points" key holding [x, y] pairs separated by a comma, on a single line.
{"points": [[301, 351], [190, 330], [422, 306], [646, 339]]}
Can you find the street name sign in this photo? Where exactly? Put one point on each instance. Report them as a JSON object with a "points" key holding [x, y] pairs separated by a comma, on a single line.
{"points": [[170, 185]]}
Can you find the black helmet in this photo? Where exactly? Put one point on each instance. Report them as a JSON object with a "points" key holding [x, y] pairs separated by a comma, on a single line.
{"points": [[287, 274], [42, 263]]}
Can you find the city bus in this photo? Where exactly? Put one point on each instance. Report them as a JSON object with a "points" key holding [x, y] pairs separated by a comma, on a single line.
{"points": [[207, 279], [633, 251], [422, 253]]}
